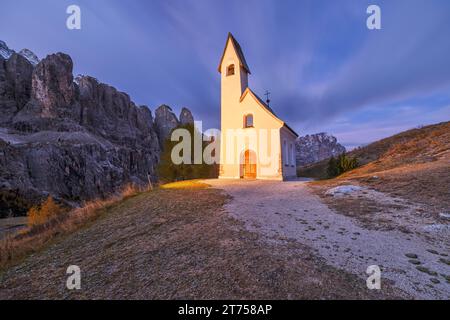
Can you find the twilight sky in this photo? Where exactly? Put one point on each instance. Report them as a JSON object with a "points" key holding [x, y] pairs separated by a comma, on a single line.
{"points": [[325, 69]]}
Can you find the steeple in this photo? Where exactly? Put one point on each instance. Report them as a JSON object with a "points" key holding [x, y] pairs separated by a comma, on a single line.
{"points": [[237, 48]]}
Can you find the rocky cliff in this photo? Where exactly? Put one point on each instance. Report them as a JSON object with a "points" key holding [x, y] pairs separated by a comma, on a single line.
{"points": [[75, 139], [316, 147], [166, 121]]}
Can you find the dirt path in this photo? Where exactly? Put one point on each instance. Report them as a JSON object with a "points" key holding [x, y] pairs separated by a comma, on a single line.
{"points": [[181, 244], [285, 212]]}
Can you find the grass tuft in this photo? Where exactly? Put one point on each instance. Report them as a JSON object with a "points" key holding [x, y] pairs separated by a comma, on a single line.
{"points": [[48, 221]]}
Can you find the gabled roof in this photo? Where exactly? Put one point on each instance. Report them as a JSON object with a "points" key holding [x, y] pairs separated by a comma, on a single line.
{"points": [[265, 107], [239, 52], [259, 100]]}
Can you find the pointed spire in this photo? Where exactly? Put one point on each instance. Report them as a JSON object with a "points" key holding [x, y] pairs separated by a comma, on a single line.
{"points": [[239, 53]]}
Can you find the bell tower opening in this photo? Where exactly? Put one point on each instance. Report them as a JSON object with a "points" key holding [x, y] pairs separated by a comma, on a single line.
{"points": [[230, 70]]}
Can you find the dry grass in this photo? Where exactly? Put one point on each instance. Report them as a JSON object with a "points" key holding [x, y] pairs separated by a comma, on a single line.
{"points": [[416, 146], [414, 165], [43, 213], [178, 243], [53, 223], [185, 184]]}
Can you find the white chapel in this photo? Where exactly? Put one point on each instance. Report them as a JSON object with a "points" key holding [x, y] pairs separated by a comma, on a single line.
{"points": [[255, 143]]}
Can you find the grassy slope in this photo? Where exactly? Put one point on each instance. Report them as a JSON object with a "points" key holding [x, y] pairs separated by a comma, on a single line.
{"points": [[175, 243], [414, 164]]}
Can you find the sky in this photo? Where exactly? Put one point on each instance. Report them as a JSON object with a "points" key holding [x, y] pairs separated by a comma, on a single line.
{"points": [[326, 71]]}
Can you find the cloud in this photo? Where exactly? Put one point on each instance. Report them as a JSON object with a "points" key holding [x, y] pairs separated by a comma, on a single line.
{"points": [[407, 58], [317, 58]]}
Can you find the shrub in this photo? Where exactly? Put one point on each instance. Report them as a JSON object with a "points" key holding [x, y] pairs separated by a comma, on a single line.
{"points": [[38, 215], [168, 171], [332, 170], [13, 203], [340, 165]]}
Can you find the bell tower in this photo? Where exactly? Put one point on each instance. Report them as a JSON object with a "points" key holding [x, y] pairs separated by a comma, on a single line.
{"points": [[234, 73]]}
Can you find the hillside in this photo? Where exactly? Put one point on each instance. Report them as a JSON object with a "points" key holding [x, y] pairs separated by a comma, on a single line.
{"points": [[413, 164], [177, 242]]}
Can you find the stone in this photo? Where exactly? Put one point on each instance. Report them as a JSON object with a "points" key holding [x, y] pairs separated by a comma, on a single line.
{"points": [[444, 216], [434, 280], [426, 270]]}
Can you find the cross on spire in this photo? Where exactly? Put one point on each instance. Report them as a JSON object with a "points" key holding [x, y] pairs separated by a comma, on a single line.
{"points": [[267, 97]]}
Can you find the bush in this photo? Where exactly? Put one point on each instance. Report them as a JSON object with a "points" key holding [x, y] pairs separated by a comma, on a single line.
{"points": [[340, 165], [38, 215], [169, 172], [14, 247], [332, 170], [13, 203]]}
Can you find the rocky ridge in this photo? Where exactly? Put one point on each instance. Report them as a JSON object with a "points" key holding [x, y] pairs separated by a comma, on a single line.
{"points": [[74, 139]]}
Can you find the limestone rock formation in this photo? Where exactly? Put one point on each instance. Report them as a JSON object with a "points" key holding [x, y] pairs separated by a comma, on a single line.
{"points": [[15, 85], [30, 56], [316, 147], [5, 52], [74, 139], [165, 122], [186, 117]]}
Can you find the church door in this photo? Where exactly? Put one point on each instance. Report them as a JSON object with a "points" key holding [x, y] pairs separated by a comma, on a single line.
{"points": [[249, 165]]}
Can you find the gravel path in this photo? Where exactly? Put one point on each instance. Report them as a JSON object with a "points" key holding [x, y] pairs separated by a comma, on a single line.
{"points": [[286, 211]]}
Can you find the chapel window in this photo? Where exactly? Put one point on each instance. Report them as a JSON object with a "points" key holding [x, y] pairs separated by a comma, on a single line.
{"points": [[230, 70], [248, 121]]}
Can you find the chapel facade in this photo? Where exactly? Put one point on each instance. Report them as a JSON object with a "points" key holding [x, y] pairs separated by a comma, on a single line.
{"points": [[255, 143]]}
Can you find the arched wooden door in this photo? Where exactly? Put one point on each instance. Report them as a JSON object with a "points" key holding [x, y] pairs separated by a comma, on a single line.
{"points": [[248, 166]]}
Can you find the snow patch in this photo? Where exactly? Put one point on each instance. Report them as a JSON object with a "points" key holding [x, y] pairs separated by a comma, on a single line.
{"points": [[343, 190], [30, 56], [5, 52], [437, 228]]}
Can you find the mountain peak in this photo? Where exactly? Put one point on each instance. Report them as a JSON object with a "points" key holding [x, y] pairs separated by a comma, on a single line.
{"points": [[316, 147], [30, 56], [5, 52]]}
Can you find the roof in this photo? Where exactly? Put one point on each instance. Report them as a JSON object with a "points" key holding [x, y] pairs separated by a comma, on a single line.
{"points": [[266, 107], [290, 129], [239, 52]]}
